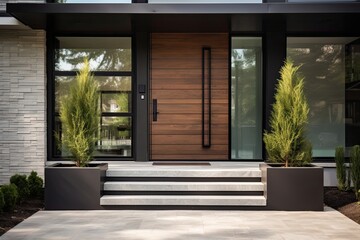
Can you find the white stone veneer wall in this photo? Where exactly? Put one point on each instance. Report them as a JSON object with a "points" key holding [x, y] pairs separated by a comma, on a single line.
{"points": [[22, 102]]}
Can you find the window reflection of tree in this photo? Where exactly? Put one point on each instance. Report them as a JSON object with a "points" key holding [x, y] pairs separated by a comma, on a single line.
{"points": [[112, 68], [323, 66], [324, 72], [100, 59], [244, 72]]}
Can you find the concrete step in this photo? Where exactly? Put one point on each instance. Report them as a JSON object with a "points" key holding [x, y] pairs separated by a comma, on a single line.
{"points": [[183, 200], [185, 172], [183, 186]]}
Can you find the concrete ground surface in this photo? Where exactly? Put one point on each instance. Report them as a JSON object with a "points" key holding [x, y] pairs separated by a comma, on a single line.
{"points": [[179, 224]]}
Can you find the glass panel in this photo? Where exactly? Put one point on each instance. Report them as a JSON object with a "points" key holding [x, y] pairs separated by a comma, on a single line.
{"points": [[324, 1], [105, 54], [115, 137], [246, 98], [204, 1], [92, 1], [352, 87], [59, 149], [113, 83], [323, 66], [116, 102]]}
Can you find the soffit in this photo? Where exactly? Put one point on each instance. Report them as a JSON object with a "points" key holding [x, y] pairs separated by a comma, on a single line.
{"points": [[127, 18]]}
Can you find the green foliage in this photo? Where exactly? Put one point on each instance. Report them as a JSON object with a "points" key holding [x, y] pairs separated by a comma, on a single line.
{"points": [[21, 182], [123, 102], [355, 168], [11, 195], [35, 185], [340, 168], [2, 201], [79, 115], [286, 143]]}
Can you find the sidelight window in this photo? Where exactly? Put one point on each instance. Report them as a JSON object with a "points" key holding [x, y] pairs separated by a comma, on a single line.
{"points": [[246, 98]]}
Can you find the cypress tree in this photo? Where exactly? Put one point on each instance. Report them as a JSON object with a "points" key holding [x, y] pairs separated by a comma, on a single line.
{"points": [[286, 142]]}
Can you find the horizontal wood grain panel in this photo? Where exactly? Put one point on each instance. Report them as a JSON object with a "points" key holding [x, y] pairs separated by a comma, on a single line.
{"points": [[195, 40], [188, 74], [187, 63], [191, 157], [187, 139], [162, 53], [187, 84], [190, 101], [191, 108], [202, 36], [188, 94], [188, 53], [181, 129], [188, 150], [164, 118]]}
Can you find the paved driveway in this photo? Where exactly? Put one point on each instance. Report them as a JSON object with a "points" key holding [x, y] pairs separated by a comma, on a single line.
{"points": [[131, 225]]}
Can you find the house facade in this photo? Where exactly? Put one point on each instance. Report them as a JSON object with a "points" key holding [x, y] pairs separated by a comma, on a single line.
{"points": [[179, 80]]}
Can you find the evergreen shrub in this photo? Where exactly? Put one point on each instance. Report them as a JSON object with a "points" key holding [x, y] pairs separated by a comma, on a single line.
{"points": [[286, 142], [355, 168], [80, 117], [35, 185], [2, 201], [340, 168], [22, 185], [11, 195]]}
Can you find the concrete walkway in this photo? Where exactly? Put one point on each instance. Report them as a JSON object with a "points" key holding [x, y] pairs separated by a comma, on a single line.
{"points": [[188, 225]]}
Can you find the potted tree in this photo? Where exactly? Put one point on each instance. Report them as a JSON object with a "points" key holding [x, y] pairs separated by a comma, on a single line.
{"points": [[292, 182], [78, 185]]}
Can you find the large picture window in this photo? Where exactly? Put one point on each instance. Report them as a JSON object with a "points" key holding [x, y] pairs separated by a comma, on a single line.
{"points": [[246, 98], [111, 63], [331, 84]]}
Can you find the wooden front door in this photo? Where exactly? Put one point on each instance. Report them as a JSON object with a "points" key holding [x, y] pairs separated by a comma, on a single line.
{"points": [[185, 128]]}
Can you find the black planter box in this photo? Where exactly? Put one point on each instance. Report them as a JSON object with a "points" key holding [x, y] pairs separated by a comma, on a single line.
{"points": [[293, 188], [74, 188]]}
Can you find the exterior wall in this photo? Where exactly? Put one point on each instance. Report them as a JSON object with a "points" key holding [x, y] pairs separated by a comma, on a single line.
{"points": [[22, 102], [3, 2]]}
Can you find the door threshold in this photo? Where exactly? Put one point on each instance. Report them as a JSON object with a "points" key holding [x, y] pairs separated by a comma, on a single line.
{"points": [[173, 163]]}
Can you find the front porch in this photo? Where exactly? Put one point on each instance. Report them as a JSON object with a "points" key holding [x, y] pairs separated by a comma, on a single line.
{"points": [[183, 185]]}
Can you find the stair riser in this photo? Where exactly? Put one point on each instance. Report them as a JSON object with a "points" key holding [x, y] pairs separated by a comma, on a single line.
{"points": [[182, 179], [185, 174], [184, 186], [194, 193], [177, 202], [192, 208]]}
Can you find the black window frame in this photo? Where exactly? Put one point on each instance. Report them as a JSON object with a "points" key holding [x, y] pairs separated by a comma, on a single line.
{"points": [[52, 114], [305, 34], [262, 91]]}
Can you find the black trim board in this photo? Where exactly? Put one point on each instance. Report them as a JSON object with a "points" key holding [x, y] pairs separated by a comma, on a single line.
{"points": [[179, 17], [154, 9]]}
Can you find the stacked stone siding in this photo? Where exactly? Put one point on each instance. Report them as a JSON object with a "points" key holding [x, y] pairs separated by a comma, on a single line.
{"points": [[22, 102]]}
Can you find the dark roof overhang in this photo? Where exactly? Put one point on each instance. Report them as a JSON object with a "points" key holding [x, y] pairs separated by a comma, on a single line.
{"points": [[182, 17]]}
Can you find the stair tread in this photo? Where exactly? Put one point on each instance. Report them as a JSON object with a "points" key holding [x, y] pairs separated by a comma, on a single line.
{"points": [[216, 200], [183, 172], [183, 186], [183, 183]]}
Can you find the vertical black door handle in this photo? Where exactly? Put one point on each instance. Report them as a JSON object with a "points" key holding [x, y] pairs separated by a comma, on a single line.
{"points": [[155, 110]]}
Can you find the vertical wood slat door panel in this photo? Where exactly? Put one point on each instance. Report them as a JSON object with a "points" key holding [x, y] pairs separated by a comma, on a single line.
{"points": [[176, 84]]}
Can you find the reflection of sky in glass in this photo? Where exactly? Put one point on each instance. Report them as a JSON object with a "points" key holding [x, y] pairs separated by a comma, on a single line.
{"points": [[65, 66], [95, 1], [205, 1], [322, 63]]}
